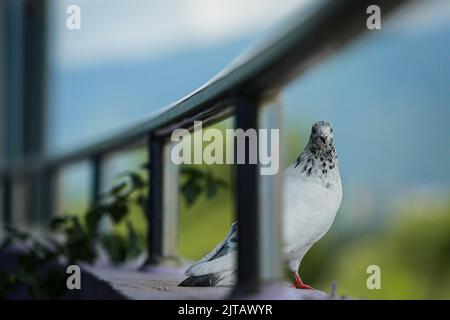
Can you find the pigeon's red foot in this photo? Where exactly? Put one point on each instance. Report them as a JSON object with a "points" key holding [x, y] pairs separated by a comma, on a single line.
{"points": [[298, 283]]}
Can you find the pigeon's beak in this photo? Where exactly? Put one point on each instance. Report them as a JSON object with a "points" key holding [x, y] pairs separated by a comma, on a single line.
{"points": [[323, 139]]}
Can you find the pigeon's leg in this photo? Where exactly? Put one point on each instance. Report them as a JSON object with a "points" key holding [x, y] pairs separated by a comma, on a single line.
{"points": [[298, 283]]}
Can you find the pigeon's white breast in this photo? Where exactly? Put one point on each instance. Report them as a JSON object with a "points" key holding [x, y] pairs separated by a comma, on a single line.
{"points": [[310, 206]]}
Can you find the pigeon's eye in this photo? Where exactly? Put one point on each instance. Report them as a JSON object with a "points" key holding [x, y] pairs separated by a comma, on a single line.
{"points": [[314, 130]]}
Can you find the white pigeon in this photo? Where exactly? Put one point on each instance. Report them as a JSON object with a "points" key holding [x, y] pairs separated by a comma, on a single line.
{"points": [[312, 196]]}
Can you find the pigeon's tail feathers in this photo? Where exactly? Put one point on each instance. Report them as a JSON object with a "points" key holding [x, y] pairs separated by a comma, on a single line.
{"points": [[216, 265], [220, 265], [225, 243], [206, 280], [220, 259]]}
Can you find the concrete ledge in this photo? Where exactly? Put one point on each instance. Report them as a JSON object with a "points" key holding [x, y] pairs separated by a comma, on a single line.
{"points": [[104, 281], [160, 283], [156, 283]]}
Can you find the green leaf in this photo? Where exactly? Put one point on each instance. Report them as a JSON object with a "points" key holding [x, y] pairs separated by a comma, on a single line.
{"points": [[137, 182], [93, 218], [191, 190], [142, 201], [192, 172], [134, 245], [58, 222], [117, 211], [116, 190]]}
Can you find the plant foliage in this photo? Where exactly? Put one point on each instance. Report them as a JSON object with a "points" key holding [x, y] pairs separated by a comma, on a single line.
{"points": [[77, 239]]}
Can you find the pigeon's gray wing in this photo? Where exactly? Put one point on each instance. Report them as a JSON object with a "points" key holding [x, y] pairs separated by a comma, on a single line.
{"points": [[216, 265]]}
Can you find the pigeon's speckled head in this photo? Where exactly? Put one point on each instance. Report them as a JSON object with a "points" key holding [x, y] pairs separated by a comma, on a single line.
{"points": [[322, 134]]}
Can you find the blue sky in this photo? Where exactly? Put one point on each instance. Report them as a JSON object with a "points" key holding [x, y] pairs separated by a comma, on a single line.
{"points": [[388, 98]]}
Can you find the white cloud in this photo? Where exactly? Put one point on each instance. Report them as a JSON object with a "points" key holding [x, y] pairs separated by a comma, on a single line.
{"points": [[114, 30]]}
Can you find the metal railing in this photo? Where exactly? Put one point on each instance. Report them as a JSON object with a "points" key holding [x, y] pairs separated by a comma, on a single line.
{"points": [[245, 90]]}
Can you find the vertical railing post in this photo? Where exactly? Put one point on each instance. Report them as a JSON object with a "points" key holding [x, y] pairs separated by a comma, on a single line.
{"points": [[47, 195], [155, 200], [104, 224], [32, 199], [247, 205], [162, 206], [258, 207], [7, 201], [28, 65]]}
